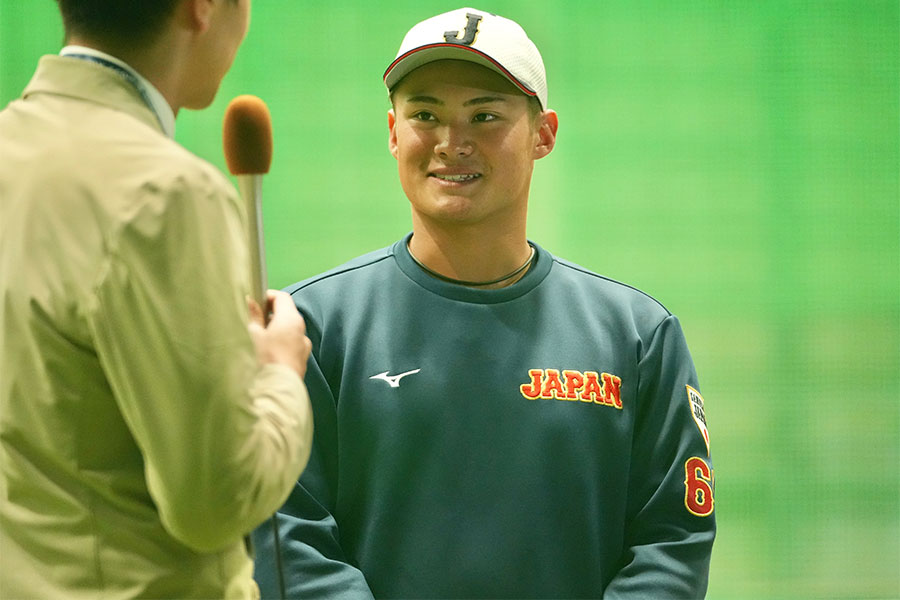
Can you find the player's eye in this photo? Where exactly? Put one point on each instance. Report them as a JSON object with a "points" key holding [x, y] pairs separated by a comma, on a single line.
{"points": [[484, 117], [423, 115]]}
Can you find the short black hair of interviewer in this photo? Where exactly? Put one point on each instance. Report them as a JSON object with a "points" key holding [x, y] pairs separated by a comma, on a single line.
{"points": [[115, 21]]}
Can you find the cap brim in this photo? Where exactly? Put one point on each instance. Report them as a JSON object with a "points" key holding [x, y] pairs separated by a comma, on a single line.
{"points": [[415, 58]]}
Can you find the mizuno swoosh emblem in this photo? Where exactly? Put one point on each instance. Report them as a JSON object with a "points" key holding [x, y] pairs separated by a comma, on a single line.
{"points": [[394, 380]]}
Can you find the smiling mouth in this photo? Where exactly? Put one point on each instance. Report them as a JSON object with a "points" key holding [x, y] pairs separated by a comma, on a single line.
{"points": [[457, 178]]}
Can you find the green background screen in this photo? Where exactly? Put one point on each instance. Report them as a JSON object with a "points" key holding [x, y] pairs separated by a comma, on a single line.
{"points": [[737, 160]]}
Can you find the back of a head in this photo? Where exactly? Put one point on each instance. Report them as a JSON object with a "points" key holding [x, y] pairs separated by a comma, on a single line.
{"points": [[115, 23]]}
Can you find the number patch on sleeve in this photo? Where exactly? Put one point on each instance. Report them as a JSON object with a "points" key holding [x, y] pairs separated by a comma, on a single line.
{"points": [[698, 487]]}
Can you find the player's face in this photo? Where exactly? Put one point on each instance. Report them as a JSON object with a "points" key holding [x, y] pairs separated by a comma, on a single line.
{"points": [[465, 140], [228, 21]]}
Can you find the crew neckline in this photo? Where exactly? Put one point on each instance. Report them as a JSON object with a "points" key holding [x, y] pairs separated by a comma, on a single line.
{"points": [[540, 268]]}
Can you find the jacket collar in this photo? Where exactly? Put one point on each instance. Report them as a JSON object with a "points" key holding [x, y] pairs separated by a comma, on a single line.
{"points": [[91, 82], [148, 91]]}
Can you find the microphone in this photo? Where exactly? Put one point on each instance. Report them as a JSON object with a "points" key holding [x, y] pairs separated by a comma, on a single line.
{"points": [[247, 138]]}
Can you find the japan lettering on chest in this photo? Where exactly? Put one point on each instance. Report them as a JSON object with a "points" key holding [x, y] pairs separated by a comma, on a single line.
{"points": [[588, 387]]}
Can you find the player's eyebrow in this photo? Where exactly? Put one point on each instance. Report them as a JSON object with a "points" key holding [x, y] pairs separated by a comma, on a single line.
{"points": [[423, 99], [484, 100]]}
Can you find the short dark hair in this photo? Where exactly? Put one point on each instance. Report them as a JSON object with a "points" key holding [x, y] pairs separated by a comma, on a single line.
{"points": [[534, 105], [115, 22]]}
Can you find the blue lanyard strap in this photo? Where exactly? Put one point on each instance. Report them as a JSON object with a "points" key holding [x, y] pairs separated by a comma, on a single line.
{"points": [[127, 76]]}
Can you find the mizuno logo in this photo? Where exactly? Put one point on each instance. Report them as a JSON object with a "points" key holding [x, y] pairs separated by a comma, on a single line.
{"points": [[394, 380]]}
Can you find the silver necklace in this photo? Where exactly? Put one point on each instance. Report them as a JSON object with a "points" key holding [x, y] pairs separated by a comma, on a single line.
{"points": [[524, 266]]}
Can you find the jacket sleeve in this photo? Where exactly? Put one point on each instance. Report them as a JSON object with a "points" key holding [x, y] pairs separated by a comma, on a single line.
{"points": [[222, 439], [309, 554], [670, 521]]}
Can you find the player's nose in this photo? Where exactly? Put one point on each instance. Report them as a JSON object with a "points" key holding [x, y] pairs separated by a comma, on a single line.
{"points": [[453, 142]]}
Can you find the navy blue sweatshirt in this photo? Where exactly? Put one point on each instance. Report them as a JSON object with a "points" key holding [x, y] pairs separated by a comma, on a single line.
{"points": [[544, 440]]}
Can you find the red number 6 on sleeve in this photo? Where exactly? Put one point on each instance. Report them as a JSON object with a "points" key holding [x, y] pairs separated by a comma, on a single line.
{"points": [[698, 487]]}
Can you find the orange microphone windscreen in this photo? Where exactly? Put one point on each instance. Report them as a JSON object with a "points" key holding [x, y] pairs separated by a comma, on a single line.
{"points": [[247, 136]]}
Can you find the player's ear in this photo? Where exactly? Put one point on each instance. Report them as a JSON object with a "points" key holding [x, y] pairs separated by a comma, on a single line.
{"points": [[545, 134], [392, 128]]}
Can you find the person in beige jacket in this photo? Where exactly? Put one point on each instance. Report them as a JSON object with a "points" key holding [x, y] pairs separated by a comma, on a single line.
{"points": [[147, 421]]}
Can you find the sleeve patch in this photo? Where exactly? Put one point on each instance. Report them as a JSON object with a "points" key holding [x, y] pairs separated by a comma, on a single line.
{"points": [[699, 415], [698, 487]]}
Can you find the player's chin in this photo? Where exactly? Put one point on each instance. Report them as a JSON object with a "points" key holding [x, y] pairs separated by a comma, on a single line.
{"points": [[454, 209]]}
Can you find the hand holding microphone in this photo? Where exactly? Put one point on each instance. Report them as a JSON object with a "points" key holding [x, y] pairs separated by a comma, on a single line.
{"points": [[283, 339], [247, 139]]}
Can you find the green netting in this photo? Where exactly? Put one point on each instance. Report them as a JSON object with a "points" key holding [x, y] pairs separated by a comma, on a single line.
{"points": [[738, 160]]}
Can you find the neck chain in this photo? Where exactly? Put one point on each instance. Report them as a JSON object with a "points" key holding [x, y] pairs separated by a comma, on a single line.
{"points": [[524, 266]]}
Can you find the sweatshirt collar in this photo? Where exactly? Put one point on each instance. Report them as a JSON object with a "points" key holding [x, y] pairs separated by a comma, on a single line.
{"points": [[540, 268]]}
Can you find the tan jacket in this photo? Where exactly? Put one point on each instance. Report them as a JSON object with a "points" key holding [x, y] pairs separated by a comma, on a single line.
{"points": [[139, 440]]}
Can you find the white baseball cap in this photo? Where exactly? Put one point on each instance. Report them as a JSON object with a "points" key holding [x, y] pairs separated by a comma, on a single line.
{"points": [[476, 36]]}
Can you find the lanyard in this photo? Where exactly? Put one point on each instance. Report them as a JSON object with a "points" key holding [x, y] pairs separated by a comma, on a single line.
{"points": [[127, 76]]}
